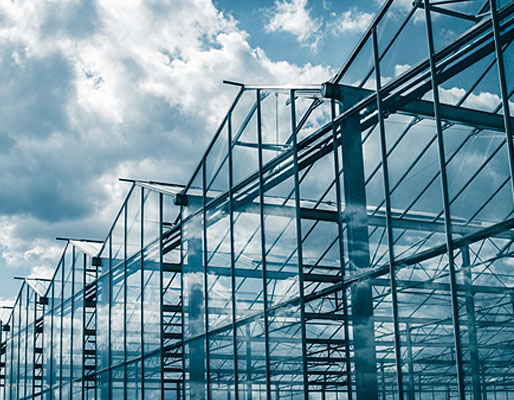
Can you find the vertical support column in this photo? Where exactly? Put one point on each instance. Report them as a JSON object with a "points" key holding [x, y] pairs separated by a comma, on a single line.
{"points": [[382, 374], [61, 341], [446, 206], [72, 315], [125, 286], [233, 265], [197, 350], [205, 283], [25, 333], [161, 291], [142, 300], [51, 350], [389, 225], [410, 362], [109, 347], [299, 245], [358, 255], [472, 331], [339, 201], [263, 245]]}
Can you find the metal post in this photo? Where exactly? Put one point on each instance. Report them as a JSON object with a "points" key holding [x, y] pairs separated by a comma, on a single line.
{"points": [[299, 244], [109, 347], [60, 330], [51, 350], [161, 291], [142, 299], [232, 259], [125, 286], [205, 282], [72, 314], [446, 206], [410, 362], [472, 332], [83, 384], [382, 373], [26, 334], [263, 244], [389, 226]]}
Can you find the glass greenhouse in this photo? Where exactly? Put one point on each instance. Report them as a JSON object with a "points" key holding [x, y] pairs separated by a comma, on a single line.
{"points": [[346, 239]]}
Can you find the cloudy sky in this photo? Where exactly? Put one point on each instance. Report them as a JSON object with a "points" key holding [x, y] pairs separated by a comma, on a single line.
{"points": [[95, 90]]}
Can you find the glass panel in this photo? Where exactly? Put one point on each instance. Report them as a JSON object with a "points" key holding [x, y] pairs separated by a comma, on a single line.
{"points": [[151, 217], [77, 335], [193, 278], [153, 379], [103, 311], [152, 299], [275, 124], [285, 353], [216, 166], [134, 221], [251, 351], [219, 276], [118, 239], [360, 70], [282, 273], [66, 342], [244, 137], [118, 382], [117, 315], [194, 196], [133, 306], [221, 365], [57, 323], [447, 28], [395, 34], [134, 379]]}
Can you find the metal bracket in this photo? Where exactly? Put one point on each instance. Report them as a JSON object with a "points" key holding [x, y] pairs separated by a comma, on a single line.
{"points": [[181, 199]]}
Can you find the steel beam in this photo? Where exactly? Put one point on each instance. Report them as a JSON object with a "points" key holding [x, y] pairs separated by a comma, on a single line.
{"points": [[478, 119]]}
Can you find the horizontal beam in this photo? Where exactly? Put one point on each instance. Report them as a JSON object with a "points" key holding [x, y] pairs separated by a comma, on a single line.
{"points": [[350, 95]]}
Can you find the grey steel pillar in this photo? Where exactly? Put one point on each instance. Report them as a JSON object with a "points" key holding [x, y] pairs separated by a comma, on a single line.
{"points": [[197, 351], [472, 331], [382, 373], [410, 363], [358, 255], [484, 385]]}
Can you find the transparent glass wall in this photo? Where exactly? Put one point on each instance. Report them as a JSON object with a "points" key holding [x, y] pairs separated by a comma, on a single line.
{"points": [[346, 240]]}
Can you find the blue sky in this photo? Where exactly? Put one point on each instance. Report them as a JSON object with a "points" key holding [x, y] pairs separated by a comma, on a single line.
{"points": [[97, 90]]}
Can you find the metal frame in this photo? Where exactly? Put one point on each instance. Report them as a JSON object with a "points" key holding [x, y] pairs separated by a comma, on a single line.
{"points": [[356, 260]]}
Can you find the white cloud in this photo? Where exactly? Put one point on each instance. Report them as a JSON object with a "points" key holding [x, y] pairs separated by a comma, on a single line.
{"points": [[351, 21], [294, 17], [484, 101], [108, 89], [400, 69]]}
